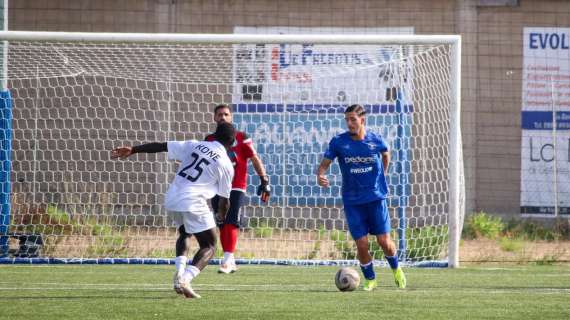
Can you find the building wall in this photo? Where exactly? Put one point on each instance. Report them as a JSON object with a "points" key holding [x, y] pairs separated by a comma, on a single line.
{"points": [[499, 98], [492, 55]]}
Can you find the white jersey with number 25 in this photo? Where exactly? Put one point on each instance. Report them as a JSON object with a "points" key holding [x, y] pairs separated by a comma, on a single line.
{"points": [[204, 171]]}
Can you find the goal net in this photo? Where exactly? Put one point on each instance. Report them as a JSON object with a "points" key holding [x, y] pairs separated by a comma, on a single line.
{"points": [[72, 98]]}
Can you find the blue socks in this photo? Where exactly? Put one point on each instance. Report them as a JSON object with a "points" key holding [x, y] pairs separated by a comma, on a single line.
{"points": [[393, 262], [368, 270]]}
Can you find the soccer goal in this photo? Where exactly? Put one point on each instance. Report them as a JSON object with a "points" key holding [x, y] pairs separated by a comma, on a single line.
{"points": [[70, 98]]}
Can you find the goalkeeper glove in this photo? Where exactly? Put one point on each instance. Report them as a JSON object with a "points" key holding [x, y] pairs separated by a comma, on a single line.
{"points": [[264, 189]]}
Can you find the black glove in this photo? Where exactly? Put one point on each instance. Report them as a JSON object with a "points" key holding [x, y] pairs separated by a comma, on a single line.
{"points": [[264, 189]]}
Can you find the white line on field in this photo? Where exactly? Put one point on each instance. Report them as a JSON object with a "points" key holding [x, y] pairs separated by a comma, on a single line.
{"points": [[265, 287]]}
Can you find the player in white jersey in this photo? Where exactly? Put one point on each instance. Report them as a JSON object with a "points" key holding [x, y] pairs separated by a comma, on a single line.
{"points": [[205, 170]]}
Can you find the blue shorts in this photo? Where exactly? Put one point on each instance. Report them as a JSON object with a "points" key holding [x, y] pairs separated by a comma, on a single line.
{"points": [[237, 199], [367, 218]]}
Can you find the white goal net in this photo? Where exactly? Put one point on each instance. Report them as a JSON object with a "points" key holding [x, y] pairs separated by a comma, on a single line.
{"points": [[73, 101]]}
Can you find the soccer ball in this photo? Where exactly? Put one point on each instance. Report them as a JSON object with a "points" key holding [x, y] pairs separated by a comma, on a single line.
{"points": [[347, 279]]}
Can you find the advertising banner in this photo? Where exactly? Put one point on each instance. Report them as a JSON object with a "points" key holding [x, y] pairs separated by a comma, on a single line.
{"points": [[545, 122]]}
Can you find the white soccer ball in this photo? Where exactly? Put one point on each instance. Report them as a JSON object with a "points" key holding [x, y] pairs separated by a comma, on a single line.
{"points": [[347, 279]]}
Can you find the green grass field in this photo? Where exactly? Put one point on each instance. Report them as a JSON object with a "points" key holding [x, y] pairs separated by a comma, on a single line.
{"points": [[280, 292]]}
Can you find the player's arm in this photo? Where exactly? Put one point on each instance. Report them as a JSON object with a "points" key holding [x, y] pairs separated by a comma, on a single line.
{"points": [[264, 189], [258, 166], [124, 152], [386, 161], [247, 149], [328, 158], [226, 175], [321, 172]]}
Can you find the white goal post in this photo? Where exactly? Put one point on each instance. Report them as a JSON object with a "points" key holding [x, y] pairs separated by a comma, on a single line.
{"points": [[72, 97]]}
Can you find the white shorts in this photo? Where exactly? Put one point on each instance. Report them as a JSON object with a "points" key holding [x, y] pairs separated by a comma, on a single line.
{"points": [[193, 223]]}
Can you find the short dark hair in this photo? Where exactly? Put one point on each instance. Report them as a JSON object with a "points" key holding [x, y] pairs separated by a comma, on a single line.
{"points": [[222, 106], [358, 109], [225, 133]]}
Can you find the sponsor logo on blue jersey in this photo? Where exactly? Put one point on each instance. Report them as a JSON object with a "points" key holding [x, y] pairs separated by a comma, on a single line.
{"points": [[360, 170], [359, 159]]}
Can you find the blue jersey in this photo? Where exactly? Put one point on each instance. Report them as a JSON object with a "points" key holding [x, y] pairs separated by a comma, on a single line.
{"points": [[361, 166]]}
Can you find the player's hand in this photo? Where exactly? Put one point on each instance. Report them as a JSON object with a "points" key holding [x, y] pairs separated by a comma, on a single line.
{"points": [[264, 189], [322, 181], [220, 218], [121, 152]]}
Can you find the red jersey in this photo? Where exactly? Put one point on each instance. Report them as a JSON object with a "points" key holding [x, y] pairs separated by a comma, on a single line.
{"points": [[241, 151]]}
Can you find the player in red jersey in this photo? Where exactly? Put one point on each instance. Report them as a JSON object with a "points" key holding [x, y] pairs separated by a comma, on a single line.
{"points": [[241, 151]]}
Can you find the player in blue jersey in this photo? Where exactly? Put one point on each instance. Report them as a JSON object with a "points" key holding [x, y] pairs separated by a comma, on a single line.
{"points": [[363, 158]]}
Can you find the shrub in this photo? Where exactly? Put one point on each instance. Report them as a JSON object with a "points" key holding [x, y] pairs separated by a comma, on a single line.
{"points": [[562, 227], [426, 243], [58, 216], [161, 253], [533, 231], [482, 225], [343, 244], [263, 231], [108, 246], [547, 260], [511, 245]]}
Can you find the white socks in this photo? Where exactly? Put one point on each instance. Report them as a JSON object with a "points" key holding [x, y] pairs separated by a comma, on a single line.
{"points": [[187, 272], [191, 272], [228, 257], [180, 262]]}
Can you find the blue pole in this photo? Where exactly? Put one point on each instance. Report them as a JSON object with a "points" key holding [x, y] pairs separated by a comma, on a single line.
{"points": [[5, 161], [402, 172]]}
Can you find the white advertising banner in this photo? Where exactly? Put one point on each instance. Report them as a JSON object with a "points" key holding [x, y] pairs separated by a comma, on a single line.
{"points": [[545, 154], [313, 75]]}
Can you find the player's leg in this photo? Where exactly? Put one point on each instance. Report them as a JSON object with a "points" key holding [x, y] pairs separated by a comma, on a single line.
{"points": [[380, 226], [355, 217], [225, 231], [203, 227], [389, 248], [182, 245], [207, 247], [207, 243], [387, 244], [366, 263], [229, 232], [182, 242]]}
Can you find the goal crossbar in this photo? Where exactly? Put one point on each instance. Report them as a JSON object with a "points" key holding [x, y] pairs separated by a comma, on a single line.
{"points": [[196, 38]]}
